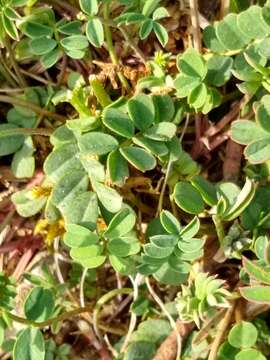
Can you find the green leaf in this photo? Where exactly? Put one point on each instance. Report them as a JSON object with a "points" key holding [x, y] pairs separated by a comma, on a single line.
{"points": [[164, 108], [77, 236], [70, 28], [157, 148], [61, 161], [157, 252], [83, 210], [10, 27], [124, 266], [85, 252], [191, 229], [261, 244], [230, 35], [74, 42], [167, 275], [191, 246], [206, 189], [93, 167], [241, 202], [68, 188], [62, 135], [29, 345], [51, 58], [109, 197], [140, 350], [263, 113], [121, 224], [149, 6], [161, 33], [258, 151], [243, 334], [211, 41], [26, 204], [39, 304], [97, 143], [124, 246], [250, 354], [160, 13], [226, 351], [219, 70], [164, 241], [146, 28], [162, 131], [89, 7], [246, 21], [93, 262], [142, 111], [185, 84], [257, 294], [36, 30], [192, 64], [169, 222], [198, 96], [245, 132], [9, 144], [94, 32], [42, 45], [117, 167], [119, 122], [256, 271], [23, 162], [83, 124], [139, 158], [188, 198]]}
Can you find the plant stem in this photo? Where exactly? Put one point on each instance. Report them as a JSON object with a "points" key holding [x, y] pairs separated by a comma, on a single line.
{"points": [[111, 50], [220, 230], [6, 74], [25, 131], [33, 107], [194, 15], [14, 64], [221, 332], [163, 189], [105, 298], [167, 314], [66, 315], [133, 319]]}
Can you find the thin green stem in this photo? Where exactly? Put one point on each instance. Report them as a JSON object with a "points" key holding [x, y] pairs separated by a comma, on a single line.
{"points": [[220, 230], [109, 42], [105, 298], [14, 64], [33, 107], [25, 131], [66, 315]]}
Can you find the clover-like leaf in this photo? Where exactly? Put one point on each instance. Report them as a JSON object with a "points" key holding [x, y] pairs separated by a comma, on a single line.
{"points": [[243, 334], [97, 143], [95, 32], [188, 198], [192, 64], [29, 345], [78, 236], [121, 224], [139, 158], [39, 304], [119, 122], [142, 111]]}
